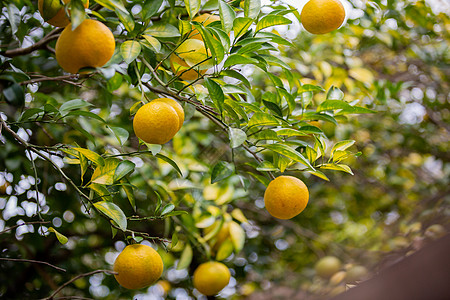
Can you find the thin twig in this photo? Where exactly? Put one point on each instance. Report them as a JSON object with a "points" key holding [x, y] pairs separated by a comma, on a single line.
{"points": [[33, 261], [52, 296], [38, 205], [26, 223], [57, 78]]}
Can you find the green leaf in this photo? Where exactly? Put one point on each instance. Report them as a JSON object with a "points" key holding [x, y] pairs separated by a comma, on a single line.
{"points": [[105, 174], [61, 238], [262, 119], [150, 8], [275, 61], [153, 42], [310, 88], [252, 8], [266, 166], [167, 209], [158, 203], [128, 188], [289, 132], [114, 82], [237, 108], [241, 25], [85, 114], [288, 152], [205, 220], [333, 105], [318, 174], [334, 93], [310, 129], [274, 38], [174, 241], [236, 75], [27, 114], [337, 167], [83, 166], [192, 7], [130, 50], [113, 212], [272, 20], [260, 178], [83, 132], [123, 169], [225, 250], [273, 107], [92, 156], [342, 145], [101, 191], [126, 19], [356, 110], [186, 257], [215, 93], [237, 235], [220, 171], [112, 5], [50, 8], [171, 162], [163, 30], [227, 16], [318, 116], [120, 133], [236, 59], [233, 89], [176, 213], [214, 46], [237, 137], [72, 105], [77, 13]]}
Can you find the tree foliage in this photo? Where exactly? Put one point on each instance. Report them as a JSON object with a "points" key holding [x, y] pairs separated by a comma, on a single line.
{"points": [[84, 184]]}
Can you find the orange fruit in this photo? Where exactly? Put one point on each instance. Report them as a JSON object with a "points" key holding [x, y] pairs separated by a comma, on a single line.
{"points": [[189, 54], [205, 19], [211, 277], [156, 122], [138, 266], [322, 16], [91, 44], [286, 197], [178, 108], [59, 19], [327, 266]]}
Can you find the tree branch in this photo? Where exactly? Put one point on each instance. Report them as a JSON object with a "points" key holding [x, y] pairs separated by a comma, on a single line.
{"points": [[33, 261], [52, 296], [41, 44]]}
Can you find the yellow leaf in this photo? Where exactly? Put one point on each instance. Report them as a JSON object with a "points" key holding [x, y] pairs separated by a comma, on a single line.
{"points": [[361, 74]]}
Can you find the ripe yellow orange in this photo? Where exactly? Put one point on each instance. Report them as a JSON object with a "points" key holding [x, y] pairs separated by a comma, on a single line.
{"points": [[60, 19], [322, 16], [138, 266], [91, 44], [189, 54], [178, 108], [211, 277], [286, 197], [205, 19], [156, 122], [165, 286]]}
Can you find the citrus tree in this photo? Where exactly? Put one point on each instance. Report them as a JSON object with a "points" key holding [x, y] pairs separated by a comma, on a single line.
{"points": [[162, 123]]}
